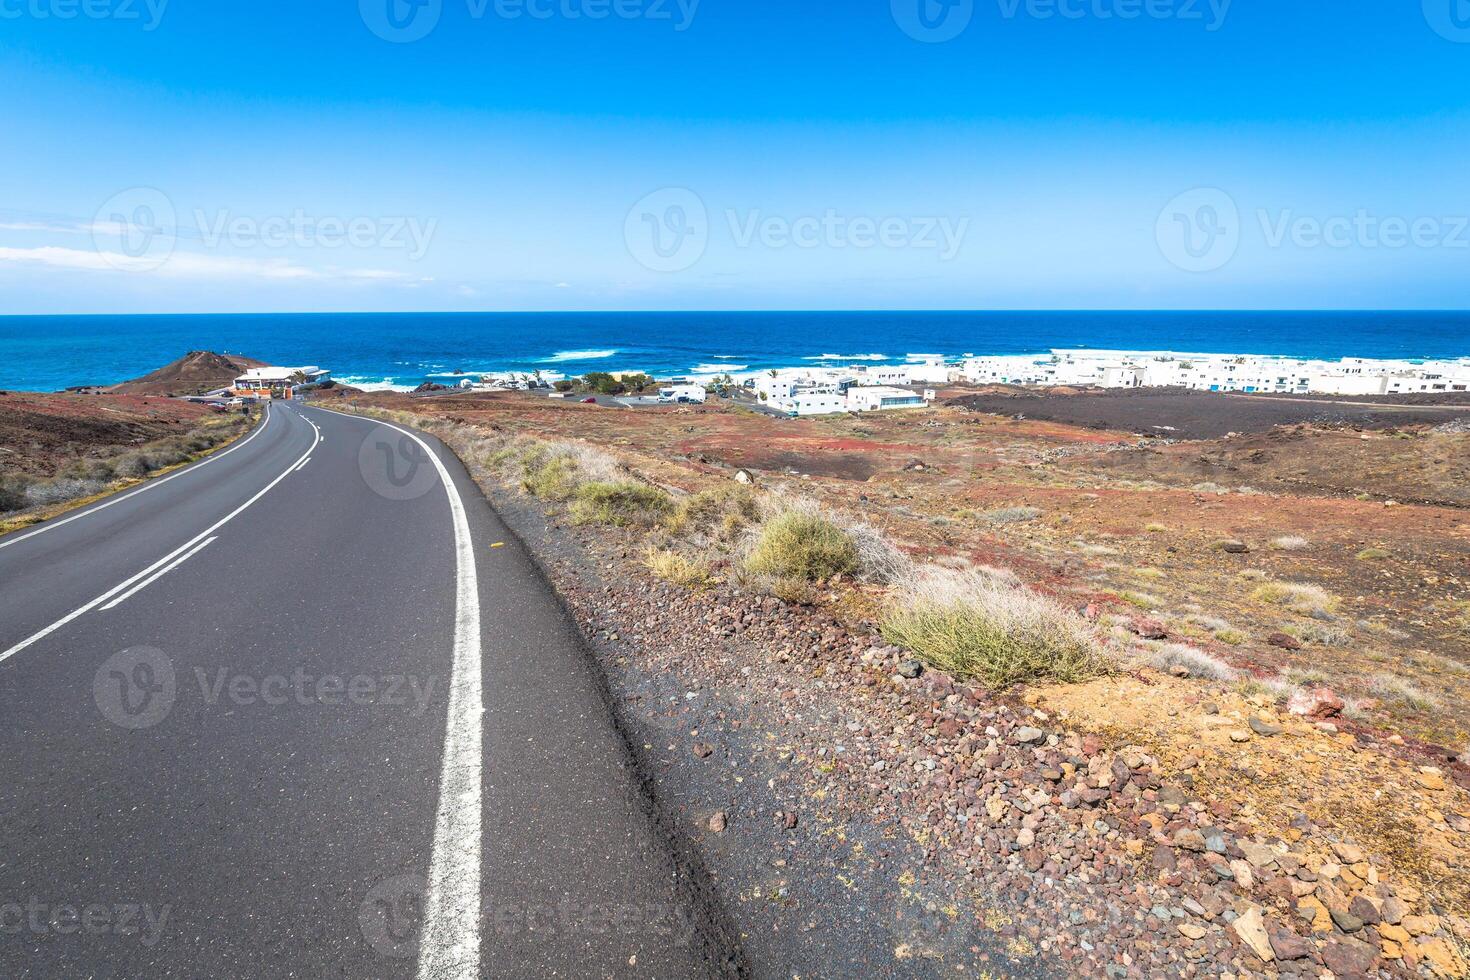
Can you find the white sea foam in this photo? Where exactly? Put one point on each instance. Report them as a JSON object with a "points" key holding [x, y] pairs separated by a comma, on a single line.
{"points": [[847, 357], [578, 355], [717, 368], [374, 384]]}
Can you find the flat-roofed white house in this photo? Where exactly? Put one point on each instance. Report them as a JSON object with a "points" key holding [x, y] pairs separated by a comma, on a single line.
{"points": [[873, 398], [279, 382]]}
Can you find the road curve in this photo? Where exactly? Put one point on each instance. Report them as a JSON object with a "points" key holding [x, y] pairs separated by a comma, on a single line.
{"points": [[308, 709]]}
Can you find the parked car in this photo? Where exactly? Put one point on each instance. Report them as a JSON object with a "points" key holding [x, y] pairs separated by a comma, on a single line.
{"points": [[589, 401]]}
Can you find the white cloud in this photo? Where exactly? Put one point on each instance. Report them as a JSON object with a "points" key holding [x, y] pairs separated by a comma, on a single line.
{"points": [[191, 265]]}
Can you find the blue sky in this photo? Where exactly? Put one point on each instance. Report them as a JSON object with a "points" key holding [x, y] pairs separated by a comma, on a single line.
{"points": [[182, 156]]}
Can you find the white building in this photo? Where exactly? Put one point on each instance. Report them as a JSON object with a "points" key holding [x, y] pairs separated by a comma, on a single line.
{"points": [[279, 382], [825, 391], [1220, 372], [872, 398]]}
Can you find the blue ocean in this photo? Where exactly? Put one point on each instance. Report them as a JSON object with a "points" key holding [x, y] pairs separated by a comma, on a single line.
{"points": [[46, 353]]}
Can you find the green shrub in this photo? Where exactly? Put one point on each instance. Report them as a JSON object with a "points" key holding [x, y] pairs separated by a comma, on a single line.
{"points": [[622, 503], [804, 545], [978, 626], [551, 479]]}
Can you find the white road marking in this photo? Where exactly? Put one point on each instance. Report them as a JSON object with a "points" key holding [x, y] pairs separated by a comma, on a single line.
{"points": [[302, 466], [104, 597], [9, 540], [160, 573], [449, 944]]}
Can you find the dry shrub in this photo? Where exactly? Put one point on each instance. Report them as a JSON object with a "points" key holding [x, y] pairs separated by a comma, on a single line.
{"points": [[975, 625], [1392, 688], [1307, 600], [61, 490], [1197, 663], [1009, 515], [723, 512], [621, 504], [1321, 634], [1290, 542], [675, 568]]}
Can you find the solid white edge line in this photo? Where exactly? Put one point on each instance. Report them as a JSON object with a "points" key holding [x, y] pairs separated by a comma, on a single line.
{"points": [[449, 944], [104, 597], [159, 574], [9, 540]]}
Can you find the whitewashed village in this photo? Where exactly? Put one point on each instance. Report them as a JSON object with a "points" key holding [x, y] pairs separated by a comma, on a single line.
{"points": [[858, 388]]}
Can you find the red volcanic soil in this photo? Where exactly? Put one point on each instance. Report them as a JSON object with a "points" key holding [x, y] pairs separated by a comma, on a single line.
{"points": [[40, 432]]}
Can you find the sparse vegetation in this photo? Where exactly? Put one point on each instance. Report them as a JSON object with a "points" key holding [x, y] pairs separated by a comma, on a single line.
{"points": [[1009, 515], [1290, 542], [1391, 687], [1372, 554], [977, 626], [88, 477], [1321, 634], [1231, 637]]}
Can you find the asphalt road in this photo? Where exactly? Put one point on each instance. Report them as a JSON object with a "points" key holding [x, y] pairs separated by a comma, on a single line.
{"points": [[306, 709]]}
